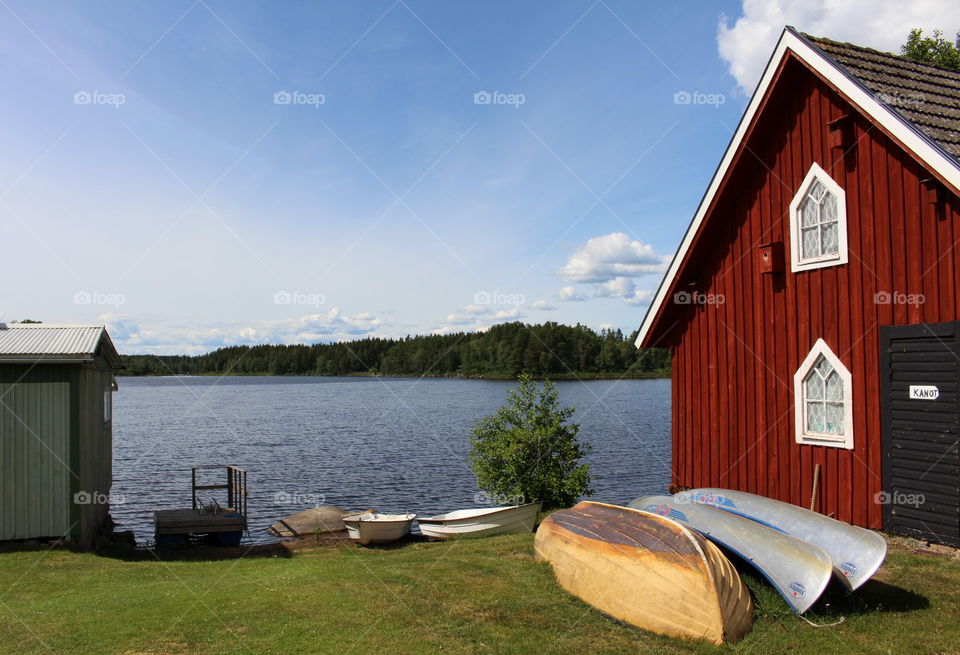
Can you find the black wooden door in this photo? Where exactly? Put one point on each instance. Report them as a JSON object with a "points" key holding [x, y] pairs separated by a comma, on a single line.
{"points": [[919, 377]]}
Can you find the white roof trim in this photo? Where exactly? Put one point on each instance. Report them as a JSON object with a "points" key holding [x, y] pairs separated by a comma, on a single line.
{"points": [[902, 130]]}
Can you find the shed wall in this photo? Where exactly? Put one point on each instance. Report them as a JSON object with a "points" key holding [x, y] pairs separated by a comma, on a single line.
{"points": [[734, 362]]}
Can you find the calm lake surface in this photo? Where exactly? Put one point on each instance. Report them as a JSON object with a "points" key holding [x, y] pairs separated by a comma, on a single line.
{"points": [[389, 444]]}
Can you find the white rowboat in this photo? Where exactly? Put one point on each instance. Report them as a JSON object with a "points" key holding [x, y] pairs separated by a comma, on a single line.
{"points": [[370, 528], [484, 522], [798, 570], [856, 552]]}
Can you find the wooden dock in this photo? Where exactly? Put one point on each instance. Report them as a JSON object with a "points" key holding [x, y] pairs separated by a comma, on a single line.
{"points": [[192, 521]]}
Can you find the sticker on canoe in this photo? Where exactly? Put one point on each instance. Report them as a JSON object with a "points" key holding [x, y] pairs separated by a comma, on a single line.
{"points": [[797, 589], [666, 510], [849, 569], [717, 500]]}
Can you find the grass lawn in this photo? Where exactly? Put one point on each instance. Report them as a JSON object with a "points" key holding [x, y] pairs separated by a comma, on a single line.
{"points": [[476, 596]]}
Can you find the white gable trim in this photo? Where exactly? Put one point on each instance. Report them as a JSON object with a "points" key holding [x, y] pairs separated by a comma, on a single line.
{"points": [[796, 262], [801, 435], [906, 133]]}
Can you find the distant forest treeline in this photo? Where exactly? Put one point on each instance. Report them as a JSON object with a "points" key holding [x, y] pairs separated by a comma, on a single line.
{"points": [[506, 350]]}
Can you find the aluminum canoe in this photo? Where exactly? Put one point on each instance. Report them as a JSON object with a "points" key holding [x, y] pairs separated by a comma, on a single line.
{"points": [[798, 570], [856, 552]]}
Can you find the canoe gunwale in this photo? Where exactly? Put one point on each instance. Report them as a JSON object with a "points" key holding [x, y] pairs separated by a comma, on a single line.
{"points": [[441, 519]]}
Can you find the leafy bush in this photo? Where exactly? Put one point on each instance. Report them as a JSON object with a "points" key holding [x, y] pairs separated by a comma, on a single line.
{"points": [[934, 49], [528, 448]]}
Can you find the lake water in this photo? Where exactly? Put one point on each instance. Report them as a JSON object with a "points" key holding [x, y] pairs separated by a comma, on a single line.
{"points": [[389, 444]]}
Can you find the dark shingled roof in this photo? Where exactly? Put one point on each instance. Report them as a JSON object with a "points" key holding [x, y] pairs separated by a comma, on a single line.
{"points": [[927, 96]]}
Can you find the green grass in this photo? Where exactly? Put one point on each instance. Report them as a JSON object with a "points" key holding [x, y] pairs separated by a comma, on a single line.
{"points": [[475, 596]]}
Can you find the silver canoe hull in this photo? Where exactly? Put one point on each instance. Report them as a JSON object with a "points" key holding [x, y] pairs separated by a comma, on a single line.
{"points": [[856, 552], [798, 570]]}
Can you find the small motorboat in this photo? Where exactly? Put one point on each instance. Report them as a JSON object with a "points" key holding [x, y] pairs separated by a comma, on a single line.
{"points": [[485, 522], [646, 570], [371, 528], [798, 570], [856, 552]]}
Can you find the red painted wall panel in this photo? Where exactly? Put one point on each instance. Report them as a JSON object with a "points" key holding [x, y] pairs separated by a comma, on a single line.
{"points": [[733, 420]]}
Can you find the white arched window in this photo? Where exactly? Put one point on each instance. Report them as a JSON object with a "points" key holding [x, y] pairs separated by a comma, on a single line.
{"points": [[818, 223], [823, 407]]}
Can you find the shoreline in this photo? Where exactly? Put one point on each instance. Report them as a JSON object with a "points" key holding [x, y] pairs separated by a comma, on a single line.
{"points": [[559, 377]]}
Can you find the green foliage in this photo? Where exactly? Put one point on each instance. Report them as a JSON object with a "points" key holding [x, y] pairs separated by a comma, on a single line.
{"points": [[504, 350], [934, 49], [527, 449]]}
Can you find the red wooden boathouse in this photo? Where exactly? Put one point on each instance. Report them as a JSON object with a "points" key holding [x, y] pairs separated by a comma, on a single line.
{"points": [[813, 306]]}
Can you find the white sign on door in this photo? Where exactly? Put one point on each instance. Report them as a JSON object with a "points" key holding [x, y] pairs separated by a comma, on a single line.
{"points": [[924, 392]]}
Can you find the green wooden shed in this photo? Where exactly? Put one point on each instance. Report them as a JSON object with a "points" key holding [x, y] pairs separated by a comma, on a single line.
{"points": [[56, 437]]}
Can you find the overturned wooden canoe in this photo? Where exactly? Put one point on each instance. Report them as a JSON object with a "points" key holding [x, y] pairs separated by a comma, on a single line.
{"points": [[856, 552], [646, 570]]}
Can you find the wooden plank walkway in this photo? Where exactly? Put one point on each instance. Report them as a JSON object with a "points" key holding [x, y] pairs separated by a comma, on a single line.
{"points": [[191, 521]]}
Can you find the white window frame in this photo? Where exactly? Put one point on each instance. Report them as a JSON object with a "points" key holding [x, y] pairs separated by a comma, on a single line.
{"points": [[107, 404], [803, 436], [797, 263]]}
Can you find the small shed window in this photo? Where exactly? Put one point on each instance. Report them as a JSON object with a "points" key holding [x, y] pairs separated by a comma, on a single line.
{"points": [[818, 223], [823, 399], [107, 404]]}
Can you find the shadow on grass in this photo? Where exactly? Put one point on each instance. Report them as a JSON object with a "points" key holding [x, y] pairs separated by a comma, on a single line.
{"points": [[835, 602], [874, 596]]}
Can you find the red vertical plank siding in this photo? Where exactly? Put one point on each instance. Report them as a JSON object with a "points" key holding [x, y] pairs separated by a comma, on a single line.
{"points": [[733, 414]]}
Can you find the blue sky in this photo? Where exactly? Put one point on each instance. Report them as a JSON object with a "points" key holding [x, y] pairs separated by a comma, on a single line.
{"points": [[197, 174]]}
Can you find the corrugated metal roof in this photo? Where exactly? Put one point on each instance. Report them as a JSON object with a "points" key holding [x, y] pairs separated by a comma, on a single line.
{"points": [[25, 341]]}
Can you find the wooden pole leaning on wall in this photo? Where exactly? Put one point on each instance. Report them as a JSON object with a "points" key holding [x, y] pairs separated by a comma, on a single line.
{"points": [[815, 488]]}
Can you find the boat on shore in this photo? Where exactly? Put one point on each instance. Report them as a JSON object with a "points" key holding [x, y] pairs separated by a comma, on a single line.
{"points": [[856, 552], [484, 522], [646, 570], [798, 570], [372, 528]]}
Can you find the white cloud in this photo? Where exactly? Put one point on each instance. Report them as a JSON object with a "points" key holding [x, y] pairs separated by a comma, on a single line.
{"points": [[131, 337], [622, 287], [746, 43], [570, 294], [609, 256], [542, 305]]}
